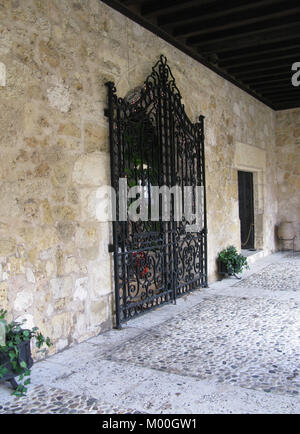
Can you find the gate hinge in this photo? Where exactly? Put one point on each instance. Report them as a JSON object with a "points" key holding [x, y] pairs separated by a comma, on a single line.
{"points": [[106, 112], [111, 248]]}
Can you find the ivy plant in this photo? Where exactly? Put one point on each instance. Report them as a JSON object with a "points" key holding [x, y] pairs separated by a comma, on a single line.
{"points": [[233, 261], [14, 336]]}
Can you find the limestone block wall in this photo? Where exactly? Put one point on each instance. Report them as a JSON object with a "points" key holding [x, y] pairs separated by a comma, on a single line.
{"points": [[55, 57], [288, 163]]}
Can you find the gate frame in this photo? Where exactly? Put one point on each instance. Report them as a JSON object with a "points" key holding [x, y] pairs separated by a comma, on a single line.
{"points": [[165, 72]]}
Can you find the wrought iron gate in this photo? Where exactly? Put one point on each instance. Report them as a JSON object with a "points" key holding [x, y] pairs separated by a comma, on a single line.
{"points": [[153, 143]]}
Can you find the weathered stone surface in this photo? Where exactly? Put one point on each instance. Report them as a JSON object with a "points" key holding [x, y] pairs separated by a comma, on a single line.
{"points": [[47, 215], [81, 288], [38, 238], [30, 275], [61, 344], [23, 300], [61, 287], [86, 236], [92, 169], [42, 170], [31, 208], [59, 97], [2, 74], [288, 175], [66, 231], [71, 265], [95, 138], [100, 278], [3, 295], [48, 54], [59, 257], [98, 312], [17, 265], [61, 325], [28, 320], [64, 213], [7, 246], [69, 129]]}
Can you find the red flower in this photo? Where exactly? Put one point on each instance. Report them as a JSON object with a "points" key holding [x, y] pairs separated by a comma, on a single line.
{"points": [[140, 259]]}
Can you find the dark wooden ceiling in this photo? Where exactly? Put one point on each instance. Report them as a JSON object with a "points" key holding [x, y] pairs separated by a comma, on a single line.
{"points": [[251, 43]]}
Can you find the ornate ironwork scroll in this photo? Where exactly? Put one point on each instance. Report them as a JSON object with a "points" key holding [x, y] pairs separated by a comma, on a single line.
{"points": [[153, 143]]}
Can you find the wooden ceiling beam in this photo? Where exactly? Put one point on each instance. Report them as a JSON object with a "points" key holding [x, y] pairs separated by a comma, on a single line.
{"points": [[204, 12], [253, 39], [262, 58], [268, 80], [270, 87], [238, 20], [294, 92], [250, 30], [263, 66], [252, 53], [157, 8], [286, 106], [283, 99], [262, 75], [254, 49]]}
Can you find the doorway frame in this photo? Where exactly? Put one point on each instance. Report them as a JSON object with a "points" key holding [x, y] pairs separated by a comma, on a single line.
{"points": [[249, 158]]}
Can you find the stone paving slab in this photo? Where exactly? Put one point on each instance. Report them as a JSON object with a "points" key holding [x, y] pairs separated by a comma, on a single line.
{"points": [[251, 343]]}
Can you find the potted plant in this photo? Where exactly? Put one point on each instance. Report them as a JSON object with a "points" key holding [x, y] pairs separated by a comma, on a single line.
{"points": [[231, 262], [15, 353]]}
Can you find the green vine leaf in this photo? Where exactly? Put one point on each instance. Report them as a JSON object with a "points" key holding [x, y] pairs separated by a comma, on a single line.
{"points": [[16, 335], [233, 261]]}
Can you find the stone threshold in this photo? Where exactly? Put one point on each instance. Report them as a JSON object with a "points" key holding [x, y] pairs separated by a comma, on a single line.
{"points": [[253, 255]]}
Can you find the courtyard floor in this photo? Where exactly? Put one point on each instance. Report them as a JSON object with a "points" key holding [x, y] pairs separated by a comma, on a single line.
{"points": [[230, 348]]}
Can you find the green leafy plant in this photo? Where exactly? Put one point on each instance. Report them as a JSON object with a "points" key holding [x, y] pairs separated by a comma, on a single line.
{"points": [[15, 335], [233, 261]]}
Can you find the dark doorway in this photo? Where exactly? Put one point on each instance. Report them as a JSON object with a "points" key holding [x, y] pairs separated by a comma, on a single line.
{"points": [[246, 209]]}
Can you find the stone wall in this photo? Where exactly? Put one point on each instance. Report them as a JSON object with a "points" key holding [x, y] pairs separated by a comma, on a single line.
{"points": [[55, 57], [288, 163]]}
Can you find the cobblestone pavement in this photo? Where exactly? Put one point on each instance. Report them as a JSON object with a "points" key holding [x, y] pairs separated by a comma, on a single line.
{"points": [[233, 347], [251, 344], [42, 400], [283, 276]]}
